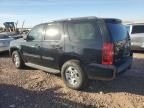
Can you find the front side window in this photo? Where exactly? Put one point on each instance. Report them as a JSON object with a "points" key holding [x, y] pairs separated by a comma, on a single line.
{"points": [[36, 33], [83, 30], [53, 32]]}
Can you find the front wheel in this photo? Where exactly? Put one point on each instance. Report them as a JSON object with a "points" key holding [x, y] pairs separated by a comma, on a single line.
{"points": [[73, 75], [17, 60]]}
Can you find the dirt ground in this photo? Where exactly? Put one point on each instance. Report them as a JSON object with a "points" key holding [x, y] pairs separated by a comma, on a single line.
{"points": [[30, 88]]}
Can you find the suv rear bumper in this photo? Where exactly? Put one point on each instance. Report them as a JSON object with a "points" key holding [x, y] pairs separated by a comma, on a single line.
{"points": [[107, 72]]}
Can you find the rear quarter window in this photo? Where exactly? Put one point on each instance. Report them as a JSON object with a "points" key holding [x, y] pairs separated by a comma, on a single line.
{"points": [[138, 29], [118, 31]]}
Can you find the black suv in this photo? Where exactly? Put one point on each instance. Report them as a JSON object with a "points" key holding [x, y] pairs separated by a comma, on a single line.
{"points": [[78, 48]]}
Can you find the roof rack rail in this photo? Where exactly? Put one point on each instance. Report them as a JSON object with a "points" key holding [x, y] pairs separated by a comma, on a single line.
{"points": [[135, 23], [76, 18]]}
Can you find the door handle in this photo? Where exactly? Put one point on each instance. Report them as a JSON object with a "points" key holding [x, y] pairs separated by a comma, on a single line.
{"points": [[35, 46], [57, 46]]}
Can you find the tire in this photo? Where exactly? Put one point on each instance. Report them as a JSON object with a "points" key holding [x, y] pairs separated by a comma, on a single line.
{"points": [[17, 60], [73, 75]]}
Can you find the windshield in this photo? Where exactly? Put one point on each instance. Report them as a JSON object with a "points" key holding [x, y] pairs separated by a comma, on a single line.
{"points": [[3, 36], [118, 31]]}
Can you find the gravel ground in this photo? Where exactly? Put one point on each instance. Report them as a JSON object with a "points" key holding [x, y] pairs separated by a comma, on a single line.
{"points": [[30, 88]]}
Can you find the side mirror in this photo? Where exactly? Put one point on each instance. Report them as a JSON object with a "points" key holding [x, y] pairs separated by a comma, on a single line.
{"points": [[29, 38]]}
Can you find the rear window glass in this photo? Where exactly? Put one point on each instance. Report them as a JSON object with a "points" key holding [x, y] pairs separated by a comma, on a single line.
{"points": [[138, 29], [83, 30], [117, 31]]}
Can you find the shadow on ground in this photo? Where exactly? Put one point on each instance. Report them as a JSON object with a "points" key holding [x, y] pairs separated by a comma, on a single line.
{"points": [[4, 54], [17, 97], [131, 82], [142, 52]]}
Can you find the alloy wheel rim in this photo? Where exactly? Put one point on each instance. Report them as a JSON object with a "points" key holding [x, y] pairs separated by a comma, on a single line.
{"points": [[72, 76], [16, 60]]}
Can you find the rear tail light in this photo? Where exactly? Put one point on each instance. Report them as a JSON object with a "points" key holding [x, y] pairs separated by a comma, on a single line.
{"points": [[107, 53]]}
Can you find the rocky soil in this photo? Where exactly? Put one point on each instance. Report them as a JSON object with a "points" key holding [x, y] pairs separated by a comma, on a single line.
{"points": [[31, 88]]}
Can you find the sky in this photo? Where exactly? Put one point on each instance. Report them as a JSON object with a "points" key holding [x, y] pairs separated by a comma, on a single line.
{"points": [[34, 12]]}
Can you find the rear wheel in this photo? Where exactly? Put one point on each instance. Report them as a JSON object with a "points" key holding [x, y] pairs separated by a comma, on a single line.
{"points": [[17, 60], [73, 75]]}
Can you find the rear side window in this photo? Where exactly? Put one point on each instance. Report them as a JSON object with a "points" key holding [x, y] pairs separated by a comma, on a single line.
{"points": [[53, 32], [118, 31], [83, 30], [138, 29]]}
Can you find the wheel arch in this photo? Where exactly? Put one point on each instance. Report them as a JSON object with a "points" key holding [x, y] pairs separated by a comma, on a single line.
{"points": [[12, 49], [68, 57]]}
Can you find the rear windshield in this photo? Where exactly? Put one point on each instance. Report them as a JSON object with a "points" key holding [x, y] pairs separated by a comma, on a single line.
{"points": [[117, 31], [138, 29]]}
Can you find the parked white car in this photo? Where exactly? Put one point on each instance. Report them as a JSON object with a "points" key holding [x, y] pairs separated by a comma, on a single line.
{"points": [[136, 32], [5, 40]]}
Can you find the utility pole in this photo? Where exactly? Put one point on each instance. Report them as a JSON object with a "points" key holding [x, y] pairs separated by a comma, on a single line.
{"points": [[16, 26], [23, 24]]}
